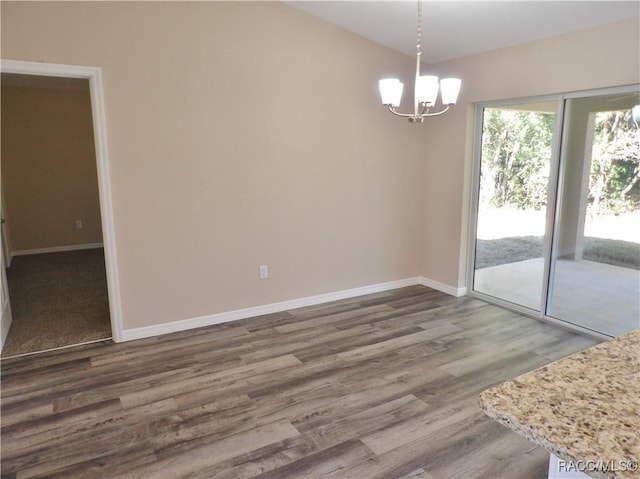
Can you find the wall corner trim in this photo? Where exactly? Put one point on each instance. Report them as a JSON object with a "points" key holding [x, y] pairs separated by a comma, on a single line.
{"points": [[445, 288], [238, 314]]}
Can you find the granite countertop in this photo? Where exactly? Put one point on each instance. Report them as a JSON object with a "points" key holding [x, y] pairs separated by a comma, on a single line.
{"points": [[585, 407]]}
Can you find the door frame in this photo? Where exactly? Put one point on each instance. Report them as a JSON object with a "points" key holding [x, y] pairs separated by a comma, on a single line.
{"points": [[5, 305], [553, 193], [96, 90], [551, 200]]}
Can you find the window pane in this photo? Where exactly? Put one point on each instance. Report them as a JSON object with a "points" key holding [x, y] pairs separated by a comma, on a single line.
{"points": [[596, 278], [512, 204]]}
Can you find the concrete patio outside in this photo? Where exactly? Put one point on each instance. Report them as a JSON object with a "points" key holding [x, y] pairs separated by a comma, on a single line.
{"points": [[597, 296]]}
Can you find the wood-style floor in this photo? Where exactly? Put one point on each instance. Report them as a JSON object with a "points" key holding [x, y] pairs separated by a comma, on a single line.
{"points": [[381, 386]]}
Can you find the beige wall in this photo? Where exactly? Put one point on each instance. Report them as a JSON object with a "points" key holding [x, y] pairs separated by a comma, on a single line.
{"points": [[49, 168], [243, 134], [594, 58], [239, 134]]}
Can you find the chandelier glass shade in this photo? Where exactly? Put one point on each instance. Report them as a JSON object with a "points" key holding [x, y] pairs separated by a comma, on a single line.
{"points": [[425, 88]]}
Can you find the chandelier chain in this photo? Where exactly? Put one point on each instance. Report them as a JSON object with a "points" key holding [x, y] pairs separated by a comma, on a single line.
{"points": [[419, 37], [425, 88]]}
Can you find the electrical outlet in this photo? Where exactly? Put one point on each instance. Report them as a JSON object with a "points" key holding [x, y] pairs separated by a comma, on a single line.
{"points": [[264, 271], [78, 224]]}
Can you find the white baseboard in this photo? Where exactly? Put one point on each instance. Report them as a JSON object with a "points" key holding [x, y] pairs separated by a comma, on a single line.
{"points": [[225, 317], [57, 249], [174, 326], [445, 288]]}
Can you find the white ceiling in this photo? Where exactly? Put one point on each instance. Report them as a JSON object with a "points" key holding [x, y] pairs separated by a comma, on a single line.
{"points": [[456, 28]]}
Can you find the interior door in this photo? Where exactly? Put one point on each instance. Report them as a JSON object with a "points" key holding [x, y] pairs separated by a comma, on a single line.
{"points": [[5, 307]]}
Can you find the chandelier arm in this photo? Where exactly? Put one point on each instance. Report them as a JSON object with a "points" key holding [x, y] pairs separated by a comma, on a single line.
{"points": [[436, 113], [397, 113], [422, 114]]}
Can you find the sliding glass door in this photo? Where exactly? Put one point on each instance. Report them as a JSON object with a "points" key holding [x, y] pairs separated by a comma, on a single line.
{"points": [[595, 277], [557, 209], [515, 166]]}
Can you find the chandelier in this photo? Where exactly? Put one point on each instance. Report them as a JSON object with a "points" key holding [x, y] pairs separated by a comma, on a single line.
{"points": [[425, 90]]}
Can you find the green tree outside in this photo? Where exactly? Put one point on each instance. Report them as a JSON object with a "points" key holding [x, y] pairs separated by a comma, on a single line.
{"points": [[516, 153]]}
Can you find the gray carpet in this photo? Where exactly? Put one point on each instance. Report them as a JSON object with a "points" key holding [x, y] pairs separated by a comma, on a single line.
{"points": [[57, 299]]}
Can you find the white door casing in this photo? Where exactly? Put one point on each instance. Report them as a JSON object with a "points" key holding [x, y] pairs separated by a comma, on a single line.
{"points": [[5, 307], [94, 75]]}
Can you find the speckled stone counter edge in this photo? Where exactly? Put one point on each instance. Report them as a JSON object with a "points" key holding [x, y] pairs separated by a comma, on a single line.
{"points": [[585, 407]]}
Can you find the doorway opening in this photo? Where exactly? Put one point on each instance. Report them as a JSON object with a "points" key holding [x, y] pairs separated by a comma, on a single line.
{"points": [[59, 276]]}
